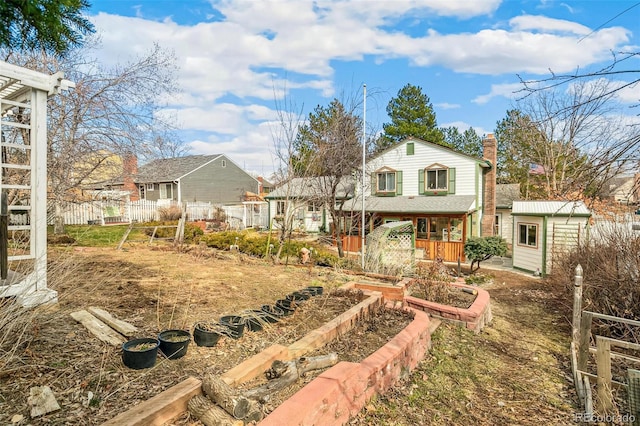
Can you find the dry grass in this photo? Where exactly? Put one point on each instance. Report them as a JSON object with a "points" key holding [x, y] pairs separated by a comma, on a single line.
{"points": [[515, 372]]}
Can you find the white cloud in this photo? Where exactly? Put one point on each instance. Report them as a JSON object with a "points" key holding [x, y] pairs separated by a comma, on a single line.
{"points": [[462, 126], [261, 46], [507, 90], [446, 105]]}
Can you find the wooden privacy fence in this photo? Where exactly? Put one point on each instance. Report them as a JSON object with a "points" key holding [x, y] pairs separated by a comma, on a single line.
{"points": [[582, 349], [102, 212]]}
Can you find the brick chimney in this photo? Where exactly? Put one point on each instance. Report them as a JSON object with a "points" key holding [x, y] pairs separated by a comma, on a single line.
{"points": [[490, 153], [129, 170]]}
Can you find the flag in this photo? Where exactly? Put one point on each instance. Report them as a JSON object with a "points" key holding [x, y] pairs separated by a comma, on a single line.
{"points": [[536, 169]]}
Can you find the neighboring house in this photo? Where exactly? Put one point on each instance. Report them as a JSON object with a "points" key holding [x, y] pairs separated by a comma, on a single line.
{"points": [[204, 178], [543, 230], [301, 200], [447, 195], [265, 186], [623, 189], [506, 194]]}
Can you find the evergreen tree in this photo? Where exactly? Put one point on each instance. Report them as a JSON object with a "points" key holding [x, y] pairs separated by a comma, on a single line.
{"points": [[467, 142], [411, 114], [54, 26]]}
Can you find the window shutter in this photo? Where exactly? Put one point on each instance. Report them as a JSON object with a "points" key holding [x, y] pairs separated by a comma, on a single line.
{"points": [[421, 181], [373, 184], [410, 148], [452, 180], [399, 183]]}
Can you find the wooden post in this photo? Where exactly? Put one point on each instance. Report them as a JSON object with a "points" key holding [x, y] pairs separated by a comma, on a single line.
{"points": [[585, 340], [4, 237], [577, 305], [603, 362], [634, 395]]}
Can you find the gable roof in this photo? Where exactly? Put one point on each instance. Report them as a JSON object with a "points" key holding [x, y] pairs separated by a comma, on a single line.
{"points": [[481, 161], [550, 208], [309, 188], [170, 169]]}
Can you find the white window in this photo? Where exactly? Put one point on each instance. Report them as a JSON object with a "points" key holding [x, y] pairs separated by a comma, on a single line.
{"points": [[437, 179], [149, 187], [165, 191], [224, 163], [496, 225], [386, 182], [528, 234], [313, 207], [281, 208]]}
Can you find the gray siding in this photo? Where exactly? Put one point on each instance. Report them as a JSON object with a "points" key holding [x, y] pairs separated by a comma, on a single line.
{"points": [[218, 184]]}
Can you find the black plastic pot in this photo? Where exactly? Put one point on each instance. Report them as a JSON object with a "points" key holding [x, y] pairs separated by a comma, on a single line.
{"points": [[140, 353], [255, 320], [174, 343], [299, 296], [235, 325], [273, 313], [315, 290], [207, 333], [287, 306]]}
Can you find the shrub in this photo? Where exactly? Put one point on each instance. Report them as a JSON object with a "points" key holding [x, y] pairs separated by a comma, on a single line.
{"points": [[478, 249], [169, 213], [611, 277]]}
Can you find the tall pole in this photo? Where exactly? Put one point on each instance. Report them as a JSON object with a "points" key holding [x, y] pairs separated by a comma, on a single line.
{"points": [[364, 156]]}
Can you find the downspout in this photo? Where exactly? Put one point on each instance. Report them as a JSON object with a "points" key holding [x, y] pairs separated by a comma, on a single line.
{"points": [[544, 246]]}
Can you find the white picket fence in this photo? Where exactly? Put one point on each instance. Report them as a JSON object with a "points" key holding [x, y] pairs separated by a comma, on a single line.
{"points": [[102, 212]]}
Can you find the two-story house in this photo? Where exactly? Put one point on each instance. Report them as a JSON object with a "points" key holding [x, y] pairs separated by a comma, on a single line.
{"points": [[448, 195], [206, 178]]}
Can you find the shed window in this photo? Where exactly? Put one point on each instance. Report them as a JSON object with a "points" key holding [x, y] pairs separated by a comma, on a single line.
{"points": [[281, 208], [528, 234], [149, 187]]}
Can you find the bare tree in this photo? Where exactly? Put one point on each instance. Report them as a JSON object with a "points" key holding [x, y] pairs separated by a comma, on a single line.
{"points": [[577, 137], [111, 114]]}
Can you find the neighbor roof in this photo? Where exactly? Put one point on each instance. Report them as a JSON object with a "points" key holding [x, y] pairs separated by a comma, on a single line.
{"points": [[550, 208], [310, 188], [450, 204], [170, 169], [506, 194]]}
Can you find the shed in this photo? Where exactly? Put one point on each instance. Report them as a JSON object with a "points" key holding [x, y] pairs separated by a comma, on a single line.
{"points": [[390, 249], [543, 230]]}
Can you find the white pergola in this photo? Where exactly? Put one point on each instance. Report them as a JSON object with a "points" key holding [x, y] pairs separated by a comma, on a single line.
{"points": [[23, 175]]}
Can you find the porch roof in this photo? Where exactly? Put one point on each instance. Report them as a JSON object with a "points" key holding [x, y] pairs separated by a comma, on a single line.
{"points": [[460, 204]]}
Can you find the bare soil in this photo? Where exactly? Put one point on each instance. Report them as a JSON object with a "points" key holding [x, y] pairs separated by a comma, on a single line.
{"points": [[155, 289], [514, 372]]}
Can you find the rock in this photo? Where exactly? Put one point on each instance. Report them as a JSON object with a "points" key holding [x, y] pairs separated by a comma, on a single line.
{"points": [[501, 404], [42, 401], [17, 418]]}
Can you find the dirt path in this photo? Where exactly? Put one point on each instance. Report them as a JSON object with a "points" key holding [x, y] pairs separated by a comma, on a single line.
{"points": [[513, 373]]}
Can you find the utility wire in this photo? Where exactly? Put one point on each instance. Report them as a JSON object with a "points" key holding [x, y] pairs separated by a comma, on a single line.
{"points": [[621, 13]]}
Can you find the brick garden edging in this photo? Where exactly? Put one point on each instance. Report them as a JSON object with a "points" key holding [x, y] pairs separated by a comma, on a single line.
{"points": [[344, 389], [475, 317]]}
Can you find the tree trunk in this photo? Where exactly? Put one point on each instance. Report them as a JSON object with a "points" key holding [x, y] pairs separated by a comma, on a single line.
{"points": [[58, 221], [209, 413], [226, 397], [283, 374]]}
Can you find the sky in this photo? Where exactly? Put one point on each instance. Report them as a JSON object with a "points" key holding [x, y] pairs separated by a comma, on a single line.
{"points": [[242, 62]]}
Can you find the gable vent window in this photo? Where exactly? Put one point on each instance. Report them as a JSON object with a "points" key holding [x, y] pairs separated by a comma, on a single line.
{"points": [[224, 163], [410, 148]]}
